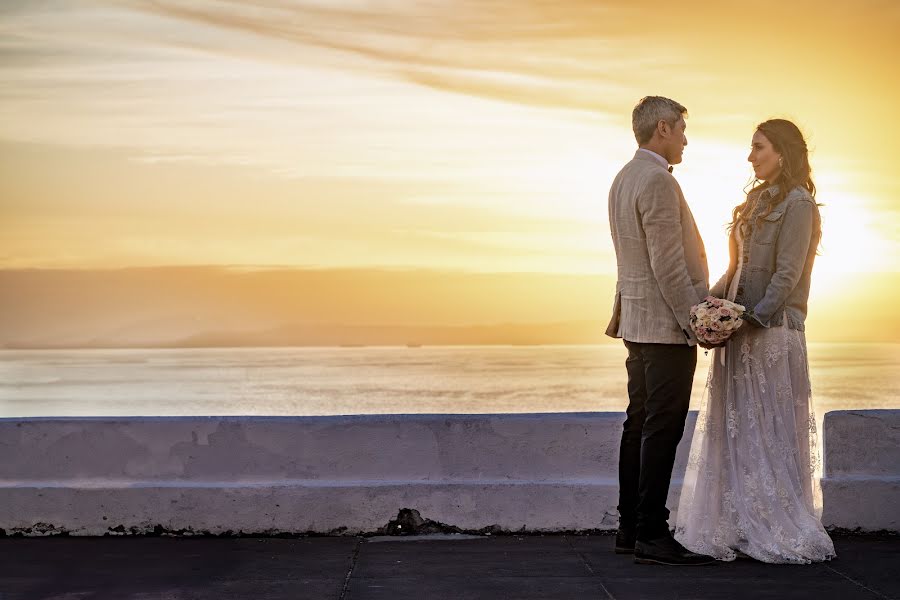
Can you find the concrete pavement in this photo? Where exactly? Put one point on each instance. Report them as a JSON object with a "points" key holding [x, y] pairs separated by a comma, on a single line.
{"points": [[416, 568]]}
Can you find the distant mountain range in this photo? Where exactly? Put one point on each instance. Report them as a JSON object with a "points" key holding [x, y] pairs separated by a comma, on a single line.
{"points": [[576, 332], [219, 306], [215, 307]]}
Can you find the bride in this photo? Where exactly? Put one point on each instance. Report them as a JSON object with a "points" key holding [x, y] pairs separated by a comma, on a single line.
{"points": [[752, 482]]}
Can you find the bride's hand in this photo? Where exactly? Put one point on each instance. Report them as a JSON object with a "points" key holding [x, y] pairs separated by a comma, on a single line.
{"points": [[750, 318], [711, 346]]}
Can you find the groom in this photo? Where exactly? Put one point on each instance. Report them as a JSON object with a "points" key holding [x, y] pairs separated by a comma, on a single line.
{"points": [[662, 272]]}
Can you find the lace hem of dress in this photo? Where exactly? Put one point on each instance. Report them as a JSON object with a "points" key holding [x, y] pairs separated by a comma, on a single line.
{"points": [[752, 481]]}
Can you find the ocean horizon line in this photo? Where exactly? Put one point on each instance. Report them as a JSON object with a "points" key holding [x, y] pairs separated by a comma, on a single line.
{"points": [[414, 346]]}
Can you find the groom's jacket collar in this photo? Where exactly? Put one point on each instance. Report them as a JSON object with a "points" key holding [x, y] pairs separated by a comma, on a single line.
{"points": [[650, 155]]}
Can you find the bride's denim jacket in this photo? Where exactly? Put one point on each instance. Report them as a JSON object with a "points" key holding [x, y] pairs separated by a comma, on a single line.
{"points": [[777, 260]]}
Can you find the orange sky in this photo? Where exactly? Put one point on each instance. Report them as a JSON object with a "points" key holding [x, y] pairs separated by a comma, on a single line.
{"points": [[464, 136]]}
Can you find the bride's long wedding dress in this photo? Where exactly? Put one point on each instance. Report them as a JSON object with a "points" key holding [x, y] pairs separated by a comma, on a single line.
{"points": [[752, 481]]}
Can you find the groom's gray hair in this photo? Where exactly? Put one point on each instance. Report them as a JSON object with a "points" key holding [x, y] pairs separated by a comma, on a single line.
{"points": [[650, 111]]}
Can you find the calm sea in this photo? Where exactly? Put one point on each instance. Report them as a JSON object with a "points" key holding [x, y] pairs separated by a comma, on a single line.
{"points": [[336, 381]]}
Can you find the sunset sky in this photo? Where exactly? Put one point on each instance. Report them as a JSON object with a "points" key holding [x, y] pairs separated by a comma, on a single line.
{"points": [[464, 136]]}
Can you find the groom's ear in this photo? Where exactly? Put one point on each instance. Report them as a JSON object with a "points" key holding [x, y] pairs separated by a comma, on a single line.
{"points": [[663, 128]]}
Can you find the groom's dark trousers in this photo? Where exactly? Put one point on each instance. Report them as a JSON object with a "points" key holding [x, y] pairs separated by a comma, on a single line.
{"points": [[659, 392]]}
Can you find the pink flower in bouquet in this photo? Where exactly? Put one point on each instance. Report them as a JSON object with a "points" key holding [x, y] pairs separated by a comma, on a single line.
{"points": [[715, 319]]}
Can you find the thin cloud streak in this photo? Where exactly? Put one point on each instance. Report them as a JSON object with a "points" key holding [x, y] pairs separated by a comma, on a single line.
{"points": [[463, 47], [245, 103], [523, 105]]}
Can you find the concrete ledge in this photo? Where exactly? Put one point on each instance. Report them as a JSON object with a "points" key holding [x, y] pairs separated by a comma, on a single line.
{"points": [[861, 483], [349, 509], [376, 447], [352, 474]]}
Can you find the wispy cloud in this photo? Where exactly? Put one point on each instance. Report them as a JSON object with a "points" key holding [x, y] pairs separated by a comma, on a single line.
{"points": [[518, 108], [243, 82], [562, 55]]}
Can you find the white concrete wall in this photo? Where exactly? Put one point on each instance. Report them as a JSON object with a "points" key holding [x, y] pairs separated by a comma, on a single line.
{"points": [[351, 474], [861, 480]]}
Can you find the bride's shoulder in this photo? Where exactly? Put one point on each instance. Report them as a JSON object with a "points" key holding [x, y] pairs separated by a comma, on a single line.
{"points": [[800, 193], [801, 196]]}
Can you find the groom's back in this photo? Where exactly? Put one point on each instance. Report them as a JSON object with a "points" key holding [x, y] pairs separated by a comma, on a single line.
{"points": [[624, 193]]}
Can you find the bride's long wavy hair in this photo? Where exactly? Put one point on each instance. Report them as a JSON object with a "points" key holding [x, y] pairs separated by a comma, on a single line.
{"points": [[788, 141]]}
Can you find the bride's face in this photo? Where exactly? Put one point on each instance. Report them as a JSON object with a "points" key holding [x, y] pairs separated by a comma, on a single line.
{"points": [[764, 158]]}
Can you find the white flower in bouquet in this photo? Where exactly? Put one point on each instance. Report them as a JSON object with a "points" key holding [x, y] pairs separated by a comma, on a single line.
{"points": [[714, 320]]}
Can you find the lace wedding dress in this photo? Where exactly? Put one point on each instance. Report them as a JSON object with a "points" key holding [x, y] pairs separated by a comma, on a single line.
{"points": [[752, 481]]}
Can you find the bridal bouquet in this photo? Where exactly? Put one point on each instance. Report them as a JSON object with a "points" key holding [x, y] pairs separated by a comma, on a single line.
{"points": [[715, 319]]}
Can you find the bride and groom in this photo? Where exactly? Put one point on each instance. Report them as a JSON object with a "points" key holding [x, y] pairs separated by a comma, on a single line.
{"points": [[751, 485]]}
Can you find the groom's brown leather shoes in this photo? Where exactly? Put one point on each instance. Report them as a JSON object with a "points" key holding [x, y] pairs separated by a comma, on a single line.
{"points": [[625, 541], [667, 551]]}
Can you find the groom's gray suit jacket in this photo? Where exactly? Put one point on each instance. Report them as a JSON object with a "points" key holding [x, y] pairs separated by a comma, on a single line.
{"points": [[660, 258]]}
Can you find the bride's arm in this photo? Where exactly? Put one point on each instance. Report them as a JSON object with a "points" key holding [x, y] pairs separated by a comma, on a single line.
{"points": [[718, 289], [791, 251]]}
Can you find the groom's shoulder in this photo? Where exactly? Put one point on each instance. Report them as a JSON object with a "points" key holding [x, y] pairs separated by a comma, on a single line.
{"points": [[630, 172], [647, 170], [655, 178]]}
